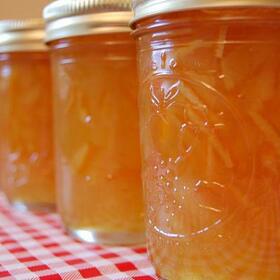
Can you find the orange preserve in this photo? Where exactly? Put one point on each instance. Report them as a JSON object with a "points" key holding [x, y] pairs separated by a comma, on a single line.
{"points": [[26, 146], [210, 128], [96, 116]]}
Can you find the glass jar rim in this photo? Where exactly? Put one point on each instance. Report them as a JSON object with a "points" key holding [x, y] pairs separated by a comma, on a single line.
{"points": [[147, 8]]}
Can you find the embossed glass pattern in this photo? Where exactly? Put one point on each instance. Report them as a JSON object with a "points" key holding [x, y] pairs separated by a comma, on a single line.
{"points": [[26, 144], [97, 138], [210, 130]]}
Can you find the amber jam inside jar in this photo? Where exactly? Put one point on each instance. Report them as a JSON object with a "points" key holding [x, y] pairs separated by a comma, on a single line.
{"points": [[97, 146], [210, 129], [26, 157]]}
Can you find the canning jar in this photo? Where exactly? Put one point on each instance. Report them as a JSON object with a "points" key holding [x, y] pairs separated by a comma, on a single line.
{"points": [[96, 120], [210, 130], [26, 144]]}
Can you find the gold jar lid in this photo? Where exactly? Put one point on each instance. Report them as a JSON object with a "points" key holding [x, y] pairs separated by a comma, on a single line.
{"points": [[146, 8], [69, 18], [22, 35]]}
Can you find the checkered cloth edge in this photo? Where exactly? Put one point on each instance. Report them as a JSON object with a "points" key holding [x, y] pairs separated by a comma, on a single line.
{"points": [[36, 247]]}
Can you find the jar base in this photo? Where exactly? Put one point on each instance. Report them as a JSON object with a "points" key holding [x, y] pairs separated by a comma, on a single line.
{"points": [[108, 238], [34, 207]]}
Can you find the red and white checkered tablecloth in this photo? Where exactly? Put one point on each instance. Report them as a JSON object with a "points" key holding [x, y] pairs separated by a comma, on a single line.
{"points": [[36, 247]]}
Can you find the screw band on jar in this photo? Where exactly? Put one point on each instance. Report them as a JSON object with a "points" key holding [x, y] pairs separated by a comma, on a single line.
{"points": [[68, 18], [143, 9], [22, 35]]}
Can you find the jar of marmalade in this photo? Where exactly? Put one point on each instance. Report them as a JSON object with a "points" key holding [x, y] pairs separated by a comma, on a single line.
{"points": [[26, 144], [96, 120], [210, 128]]}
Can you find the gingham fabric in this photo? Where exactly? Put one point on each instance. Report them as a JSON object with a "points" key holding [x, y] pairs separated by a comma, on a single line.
{"points": [[36, 247]]}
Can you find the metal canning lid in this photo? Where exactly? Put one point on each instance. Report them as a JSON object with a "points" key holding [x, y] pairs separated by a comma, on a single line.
{"points": [[22, 35], [69, 18], [146, 8]]}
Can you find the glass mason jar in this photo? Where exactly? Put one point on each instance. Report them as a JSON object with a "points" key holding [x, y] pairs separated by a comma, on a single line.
{"points": [[210, 130], [96, 118], [26, 144]]}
